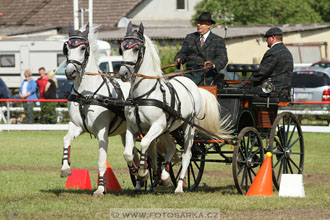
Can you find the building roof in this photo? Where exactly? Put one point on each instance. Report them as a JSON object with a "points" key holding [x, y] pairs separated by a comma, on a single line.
{"points": [[179, 33], [24, 14]]}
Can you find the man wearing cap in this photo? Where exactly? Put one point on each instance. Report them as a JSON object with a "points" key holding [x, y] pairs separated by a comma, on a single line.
{"points": [[277, 63], [203, 48]]}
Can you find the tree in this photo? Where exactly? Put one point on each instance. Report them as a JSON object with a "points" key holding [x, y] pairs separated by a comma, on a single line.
{"points": [[242, 12]]}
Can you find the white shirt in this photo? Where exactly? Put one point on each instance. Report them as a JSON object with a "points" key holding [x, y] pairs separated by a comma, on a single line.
{"points": [[24, 88], [276, 43], [205, 36]]}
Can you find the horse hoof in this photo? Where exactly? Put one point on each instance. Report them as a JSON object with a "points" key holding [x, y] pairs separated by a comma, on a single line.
{"points": [[65, 173], [98, 194], [179, 193], [166, 182], [143, 178]]}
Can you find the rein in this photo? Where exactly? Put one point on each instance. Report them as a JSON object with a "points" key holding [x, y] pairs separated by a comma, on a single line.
{"points": [[152, 77]]}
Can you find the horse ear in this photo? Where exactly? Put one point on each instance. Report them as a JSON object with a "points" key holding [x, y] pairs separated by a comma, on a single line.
{"points": [[141, 29], [86, 31], [70, 30], [129, 28]]}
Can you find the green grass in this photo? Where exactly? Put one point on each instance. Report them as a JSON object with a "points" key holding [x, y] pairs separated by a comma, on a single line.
{"points": [[30, 183]]}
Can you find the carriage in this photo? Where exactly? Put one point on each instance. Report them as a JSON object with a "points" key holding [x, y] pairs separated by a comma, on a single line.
{"points": [[258, 129], [253, 114]]}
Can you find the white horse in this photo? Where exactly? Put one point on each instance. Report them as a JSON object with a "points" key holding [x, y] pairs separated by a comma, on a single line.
{"points": [[86, 115], [149, 96]]}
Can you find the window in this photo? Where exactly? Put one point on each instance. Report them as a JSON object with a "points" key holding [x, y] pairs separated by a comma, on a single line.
{"points": [[181, 4], [116, 65], [309, 79], [7, 60], [308, 52], [104, 67], [60, 59]]}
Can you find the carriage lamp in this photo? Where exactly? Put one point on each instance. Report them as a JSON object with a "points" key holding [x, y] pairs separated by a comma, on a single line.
{"points": [[267, 87]]}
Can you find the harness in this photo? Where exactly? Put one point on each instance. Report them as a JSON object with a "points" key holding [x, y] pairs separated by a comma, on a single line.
{"points": [[168, 108], [115, 105]]}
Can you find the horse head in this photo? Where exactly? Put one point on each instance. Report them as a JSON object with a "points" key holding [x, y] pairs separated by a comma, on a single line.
{"points": [[76, 50], [133, 48]]}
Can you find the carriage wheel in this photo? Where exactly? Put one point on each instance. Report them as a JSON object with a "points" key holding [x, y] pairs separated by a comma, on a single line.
{"points": [[248, 156], [149, 184], [286, 143], [195, 169]]}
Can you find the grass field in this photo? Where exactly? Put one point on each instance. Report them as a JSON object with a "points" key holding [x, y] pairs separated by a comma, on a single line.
{"points": [[31, 187]]}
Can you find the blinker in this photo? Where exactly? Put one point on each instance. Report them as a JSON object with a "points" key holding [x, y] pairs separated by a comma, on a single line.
{"points": [[130, 43], [75, 42]]}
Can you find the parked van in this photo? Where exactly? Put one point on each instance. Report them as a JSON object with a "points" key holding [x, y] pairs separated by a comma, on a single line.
{"points": [[18, 55], [106, 64]]}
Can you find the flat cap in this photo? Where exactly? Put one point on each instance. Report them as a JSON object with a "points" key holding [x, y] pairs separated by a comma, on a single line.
{"points": [[274, 31]]}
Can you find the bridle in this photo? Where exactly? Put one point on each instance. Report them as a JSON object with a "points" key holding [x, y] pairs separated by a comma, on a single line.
{"points": [[73, 42], [129, 43]]}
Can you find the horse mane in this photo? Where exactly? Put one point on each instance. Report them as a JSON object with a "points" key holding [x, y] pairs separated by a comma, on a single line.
{"points": [[92, 38], [154, 55]]}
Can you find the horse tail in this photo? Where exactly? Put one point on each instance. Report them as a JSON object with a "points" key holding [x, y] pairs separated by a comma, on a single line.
{"points": [[212, 120]]}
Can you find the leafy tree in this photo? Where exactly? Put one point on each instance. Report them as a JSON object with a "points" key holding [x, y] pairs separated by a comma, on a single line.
{"points": [[323, 7], [242, 12]]}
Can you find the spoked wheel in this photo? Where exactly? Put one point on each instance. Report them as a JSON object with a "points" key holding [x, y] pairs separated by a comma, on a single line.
{"points": [[248, 156], [149, 184], [286, 143], [195, 169]]}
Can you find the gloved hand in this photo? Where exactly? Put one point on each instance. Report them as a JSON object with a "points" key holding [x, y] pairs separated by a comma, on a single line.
{"points": [[209, 64], [177, 62]]}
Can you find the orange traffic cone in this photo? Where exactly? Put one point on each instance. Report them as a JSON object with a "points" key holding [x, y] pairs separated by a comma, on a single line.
{"points": [[262, 184], [79, 179], [111, 180]]}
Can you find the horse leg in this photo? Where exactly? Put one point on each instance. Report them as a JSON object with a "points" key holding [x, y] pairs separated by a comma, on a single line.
{"points": [[170, 147], [130, 140], [73, 132], [189, 133], [102, 137], [154, 163], [132, 170], [154, 131]]}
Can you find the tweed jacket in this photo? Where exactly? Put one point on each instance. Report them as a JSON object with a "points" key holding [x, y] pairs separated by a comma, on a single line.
{"points": [[191, 53], [277, 64]]}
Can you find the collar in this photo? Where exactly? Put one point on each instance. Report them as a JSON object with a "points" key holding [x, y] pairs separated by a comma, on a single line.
{"points": [[279, 42], [205, 35]]}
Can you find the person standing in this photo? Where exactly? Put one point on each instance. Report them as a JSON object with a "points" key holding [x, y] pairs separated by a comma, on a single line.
{"points": [[28, 90], [49, 108], [203, 48], [42, 81], [276, 64]]}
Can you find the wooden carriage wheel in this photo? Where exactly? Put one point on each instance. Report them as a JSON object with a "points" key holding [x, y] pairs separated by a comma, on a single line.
{"points": [[248, 156], [286, 143]]}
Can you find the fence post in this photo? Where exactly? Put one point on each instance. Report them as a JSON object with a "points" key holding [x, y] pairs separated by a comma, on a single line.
{"points": [[8, 113]]}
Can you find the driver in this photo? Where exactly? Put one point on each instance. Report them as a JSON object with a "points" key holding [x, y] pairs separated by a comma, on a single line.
{"points": [[203, 48], [277, 63]]}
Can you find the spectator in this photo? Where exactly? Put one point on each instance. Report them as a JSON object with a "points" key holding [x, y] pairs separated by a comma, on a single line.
{"points": [[42, 81], [28, 90], [49, 108]]}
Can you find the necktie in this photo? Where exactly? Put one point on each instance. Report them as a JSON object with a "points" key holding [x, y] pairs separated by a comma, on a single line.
{"points": [[202, 41]]}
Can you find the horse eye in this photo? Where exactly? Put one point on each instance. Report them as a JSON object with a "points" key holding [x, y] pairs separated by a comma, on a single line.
{"points": [[83, 47], [136, 48]]}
